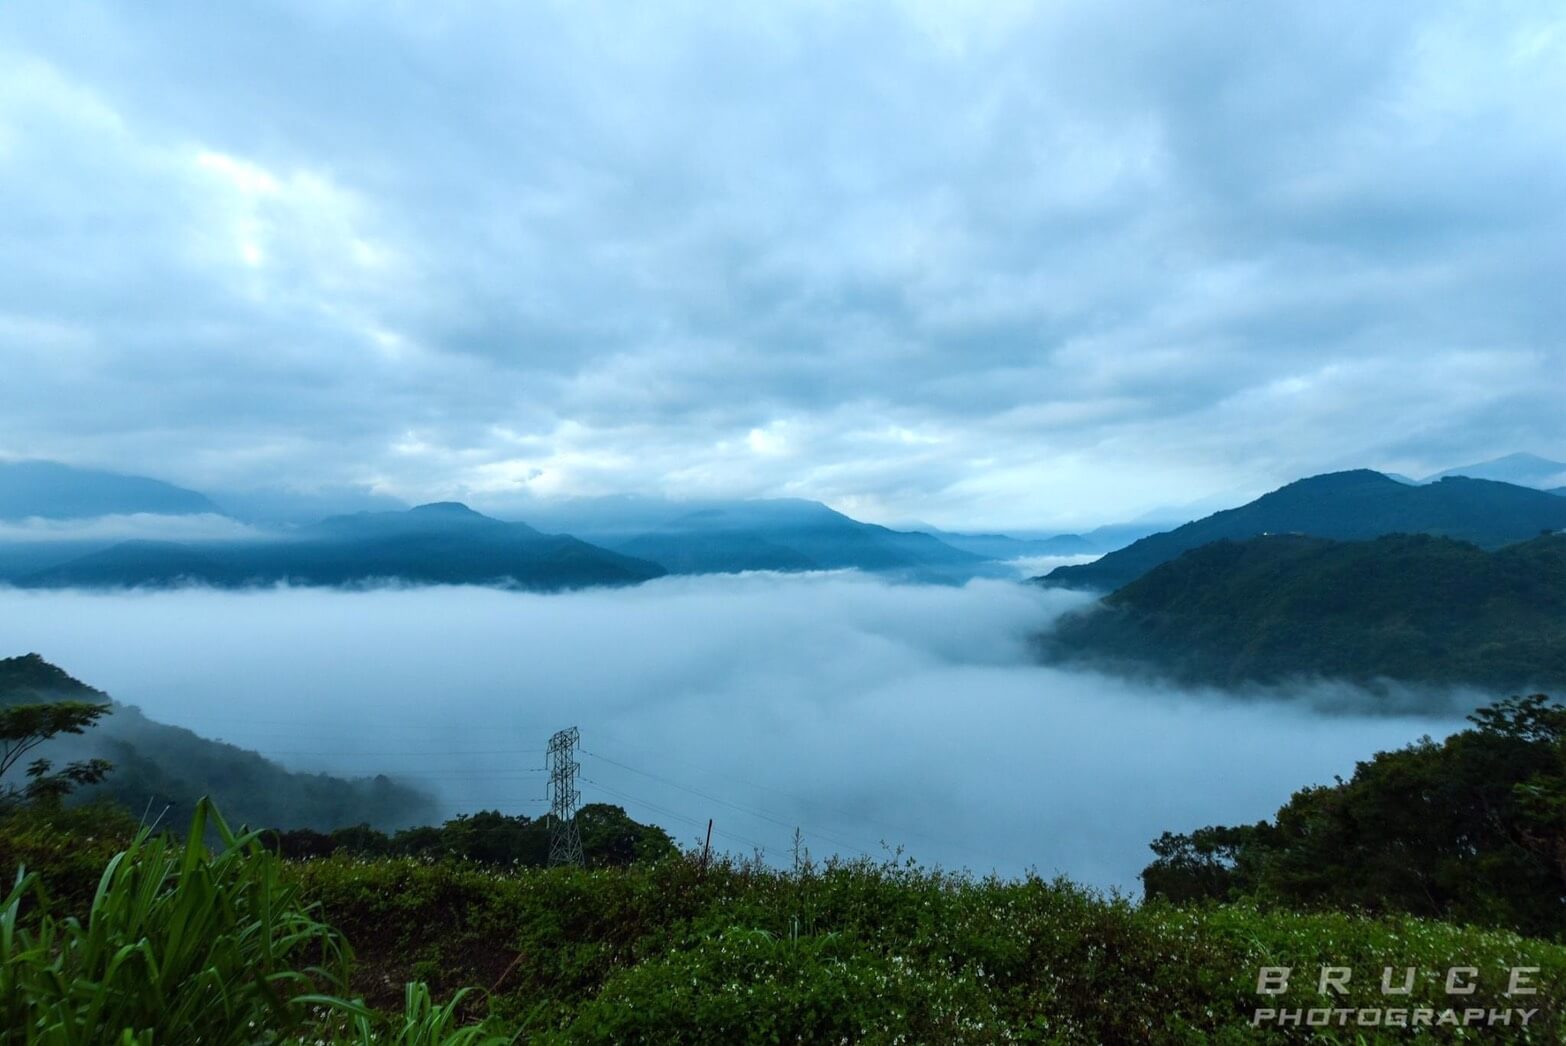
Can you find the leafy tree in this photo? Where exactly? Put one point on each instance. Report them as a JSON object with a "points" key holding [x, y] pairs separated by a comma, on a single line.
{"points": [[1470, 829], [25, 727]]}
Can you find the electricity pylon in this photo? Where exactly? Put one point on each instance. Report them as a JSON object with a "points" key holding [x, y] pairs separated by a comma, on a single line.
{"points": [[565, 842]]}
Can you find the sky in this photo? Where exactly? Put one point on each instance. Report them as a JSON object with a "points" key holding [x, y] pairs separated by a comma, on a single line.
{"points": [[1009, 265], [860, 711]]}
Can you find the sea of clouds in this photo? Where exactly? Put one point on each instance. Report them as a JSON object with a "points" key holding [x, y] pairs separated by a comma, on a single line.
{"points": [[871, 715]]}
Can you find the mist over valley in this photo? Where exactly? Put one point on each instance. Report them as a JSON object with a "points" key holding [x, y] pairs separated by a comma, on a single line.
{"points": [[860, 710]]}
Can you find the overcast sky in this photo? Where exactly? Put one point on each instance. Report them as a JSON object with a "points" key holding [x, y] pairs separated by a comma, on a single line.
{"points": [[1022, 266]]}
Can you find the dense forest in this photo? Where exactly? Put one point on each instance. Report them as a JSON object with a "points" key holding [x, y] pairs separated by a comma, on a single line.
{"points": [[1412, 608]]}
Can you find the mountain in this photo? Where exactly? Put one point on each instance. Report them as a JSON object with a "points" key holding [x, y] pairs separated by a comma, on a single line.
{"points": [[1005, 546], [1345, 506], [724, 536], [49, 490], [277, 506], [793, 534], [1408, 607], [445, 543], [158, 766], [1525, 470]]}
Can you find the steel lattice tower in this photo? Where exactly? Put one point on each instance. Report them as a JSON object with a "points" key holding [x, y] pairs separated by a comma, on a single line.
{"points": [[565, 842]]}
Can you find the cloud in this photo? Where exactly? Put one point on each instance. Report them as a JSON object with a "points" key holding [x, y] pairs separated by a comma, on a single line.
{"points": [[857, 710], [574, 249], [131, 527]]}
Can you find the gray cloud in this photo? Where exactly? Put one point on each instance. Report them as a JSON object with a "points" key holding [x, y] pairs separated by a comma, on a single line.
{"points": [[857, 710], [1017, 266]]}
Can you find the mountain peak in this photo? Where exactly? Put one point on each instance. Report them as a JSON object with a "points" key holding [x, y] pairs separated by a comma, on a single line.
{"points": [[1346, 478], [447, 508]]}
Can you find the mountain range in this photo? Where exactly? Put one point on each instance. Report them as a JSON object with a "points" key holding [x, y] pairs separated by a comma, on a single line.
{"points": [[444, 543], [611, 541], [627, 539], [49, 490], [1352, 505]]}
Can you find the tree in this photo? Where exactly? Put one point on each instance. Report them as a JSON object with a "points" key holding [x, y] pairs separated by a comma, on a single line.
{"points": [[1470, 829], [25, 727]]}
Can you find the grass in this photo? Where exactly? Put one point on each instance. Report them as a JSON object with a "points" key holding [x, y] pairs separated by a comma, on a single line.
{"points": [[237, 946]]}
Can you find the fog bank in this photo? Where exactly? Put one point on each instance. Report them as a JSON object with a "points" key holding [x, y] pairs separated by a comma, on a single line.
{"points": [[859, 710]]}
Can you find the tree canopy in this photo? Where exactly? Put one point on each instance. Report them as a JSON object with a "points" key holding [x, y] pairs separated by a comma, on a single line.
{"points": [[1470, 829]]}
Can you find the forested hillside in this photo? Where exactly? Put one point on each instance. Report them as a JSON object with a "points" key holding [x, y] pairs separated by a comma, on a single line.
{"points": [[1413, 608], [1344, 506], [162, 770]]}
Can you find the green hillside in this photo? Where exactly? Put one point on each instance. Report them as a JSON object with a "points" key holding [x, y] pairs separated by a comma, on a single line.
{"points": [[1414, 608], [1344, 506], [160, 768]]}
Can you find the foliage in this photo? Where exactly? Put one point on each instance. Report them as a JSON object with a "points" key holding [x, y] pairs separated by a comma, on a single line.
{"points": [[670, 951], [178, 944], [869, 952], [609, 837], [1472, 829], [422, 1022], [67, 847], [24, 727], [181, 945], [1413, 608]]}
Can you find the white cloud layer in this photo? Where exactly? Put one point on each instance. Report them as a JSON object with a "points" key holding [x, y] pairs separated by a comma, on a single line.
{"points": [[1015, 264], [857, 710]]}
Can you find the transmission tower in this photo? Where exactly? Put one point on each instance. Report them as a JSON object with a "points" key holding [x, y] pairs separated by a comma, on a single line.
{"points": [[565, 842]]}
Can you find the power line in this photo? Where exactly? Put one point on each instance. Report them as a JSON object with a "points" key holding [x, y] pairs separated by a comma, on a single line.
{"points": [[761, 814], [892, 831], [665, 811]]}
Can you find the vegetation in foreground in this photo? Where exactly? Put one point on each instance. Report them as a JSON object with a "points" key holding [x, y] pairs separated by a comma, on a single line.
{"points": [[175, 943], [114, 933], [1470, 829]]}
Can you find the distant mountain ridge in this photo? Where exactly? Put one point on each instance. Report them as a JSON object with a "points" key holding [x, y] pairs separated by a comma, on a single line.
{"points": [[432, 544], [49, 490], [1412, 608], [792, 534], [1526, 470], [156, 765], [612, 540], [1352, 505]]}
